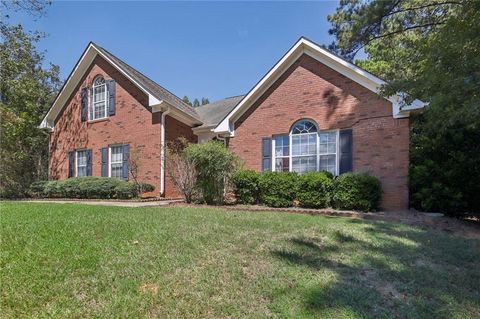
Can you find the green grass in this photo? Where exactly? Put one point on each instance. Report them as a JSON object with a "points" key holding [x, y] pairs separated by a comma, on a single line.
{"points": [[71, 261]]}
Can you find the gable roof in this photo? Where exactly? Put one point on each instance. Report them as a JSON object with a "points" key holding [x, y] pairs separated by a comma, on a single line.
{"points": [[157, 95], [211, 114], [305, 46]]}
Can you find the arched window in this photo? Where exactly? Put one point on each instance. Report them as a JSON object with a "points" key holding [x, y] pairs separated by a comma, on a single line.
{"points": [[98, 109], [306, 149]]}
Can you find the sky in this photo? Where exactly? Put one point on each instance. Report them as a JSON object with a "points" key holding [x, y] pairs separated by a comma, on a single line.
{"points": [[198, 49]]}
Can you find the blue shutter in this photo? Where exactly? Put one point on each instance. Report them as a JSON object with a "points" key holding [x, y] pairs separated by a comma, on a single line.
{"points": [[84, 104], [90, 105], [126, 149], [266, 154], [71, 164], [111, 97], [346, 162], [89, 162], [104, 168]]}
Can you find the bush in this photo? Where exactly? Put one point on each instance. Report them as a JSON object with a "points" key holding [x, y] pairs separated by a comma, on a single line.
{"points": [[36, 189], [144, 188], [246, 186], [314, 189], [278, 188], [357, 191], [214, 164], [89, 187]]}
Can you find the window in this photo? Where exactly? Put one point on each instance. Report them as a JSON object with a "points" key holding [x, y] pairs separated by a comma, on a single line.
{"points": [[81, 163], [116, 161], [282, 153], [306, 149], [98, 109]]}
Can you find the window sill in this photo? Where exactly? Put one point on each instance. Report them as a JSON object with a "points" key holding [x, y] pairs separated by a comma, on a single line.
{"points": [[98, 120]]}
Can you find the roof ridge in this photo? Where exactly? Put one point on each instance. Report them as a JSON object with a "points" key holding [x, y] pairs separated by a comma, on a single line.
{"points": [[145, 76]]}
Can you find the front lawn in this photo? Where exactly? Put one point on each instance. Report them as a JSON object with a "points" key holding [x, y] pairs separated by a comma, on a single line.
{"points": [[71, 261]]}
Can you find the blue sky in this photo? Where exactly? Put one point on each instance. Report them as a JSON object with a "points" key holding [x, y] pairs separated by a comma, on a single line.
{"points": [[211, 49]]}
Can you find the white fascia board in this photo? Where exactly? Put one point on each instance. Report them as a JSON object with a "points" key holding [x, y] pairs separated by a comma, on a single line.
{"points": [[336, 63], [175, 113]]}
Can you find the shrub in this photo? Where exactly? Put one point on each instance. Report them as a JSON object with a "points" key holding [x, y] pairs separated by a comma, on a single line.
{"points": [[181, 168], [278, 188], [90, 187], [214, 164], [144, 188], [246, 186], [357, 191], [314, 189], [36, 189]]}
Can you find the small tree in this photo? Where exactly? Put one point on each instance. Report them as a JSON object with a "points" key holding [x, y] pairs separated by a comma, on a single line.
{"points": [[181, 168], [133, 166], [214, 164]]}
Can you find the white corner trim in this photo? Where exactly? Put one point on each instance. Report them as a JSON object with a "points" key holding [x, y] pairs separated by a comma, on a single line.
{"points": [[304, 46]]}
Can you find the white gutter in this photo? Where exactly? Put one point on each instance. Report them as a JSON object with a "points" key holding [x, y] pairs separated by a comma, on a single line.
{"points": [[162, 151]]}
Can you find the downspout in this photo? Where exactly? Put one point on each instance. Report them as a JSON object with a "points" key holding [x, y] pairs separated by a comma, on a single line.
{"points": [[222, 139], [162, 151]]}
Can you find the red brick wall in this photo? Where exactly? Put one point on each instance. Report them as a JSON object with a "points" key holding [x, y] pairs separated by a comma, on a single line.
{"points": [[173, 130], [309, 89], [133, 124]]}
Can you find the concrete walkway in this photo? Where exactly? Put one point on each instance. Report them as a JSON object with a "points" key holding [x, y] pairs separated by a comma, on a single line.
{"points": [[109, 203]]}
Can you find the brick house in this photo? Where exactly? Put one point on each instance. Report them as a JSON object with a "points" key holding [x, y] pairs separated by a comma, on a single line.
{"points": [[311, 111]]}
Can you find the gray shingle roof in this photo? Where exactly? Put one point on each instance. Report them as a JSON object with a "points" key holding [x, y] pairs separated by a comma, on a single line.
{"points": [[211, 114], [156, 90]]}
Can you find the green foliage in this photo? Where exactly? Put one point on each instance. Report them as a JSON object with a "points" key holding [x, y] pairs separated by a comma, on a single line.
{"points": [[439, 64], [357, 191], [278, 189], [246, 186], [196, 102], [27, 90], [145, 188], [214, 164], [314, 189], [87, 187]]}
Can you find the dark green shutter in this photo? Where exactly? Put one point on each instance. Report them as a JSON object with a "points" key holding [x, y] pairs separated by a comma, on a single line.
{"points": [[266, 154], [71, 164], [111, 97], [89, 162], [84, 104], [126, 149], [346, 162], [104, 168]]}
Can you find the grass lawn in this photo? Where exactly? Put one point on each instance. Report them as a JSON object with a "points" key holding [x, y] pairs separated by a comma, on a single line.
{"points": [[71, 261]]}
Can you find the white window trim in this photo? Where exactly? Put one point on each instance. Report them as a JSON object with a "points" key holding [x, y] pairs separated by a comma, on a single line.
{"points": [[91, 108], [76, 161], [290, 156], [110, 158]]}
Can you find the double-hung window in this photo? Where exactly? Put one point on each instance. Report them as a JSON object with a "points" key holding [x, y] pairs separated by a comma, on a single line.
{"points": [[81, 160], [306, 149], [116, 161], [98, 107]]}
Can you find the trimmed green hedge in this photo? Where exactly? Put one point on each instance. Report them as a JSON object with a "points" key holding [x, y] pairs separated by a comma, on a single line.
{"points": [[314, 189], [278, 189], [357, 191], [87, 187], [352, 191], [246, 185]]}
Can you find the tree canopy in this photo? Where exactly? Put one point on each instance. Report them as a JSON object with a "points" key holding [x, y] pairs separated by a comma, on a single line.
{"points": [[431, 50]]}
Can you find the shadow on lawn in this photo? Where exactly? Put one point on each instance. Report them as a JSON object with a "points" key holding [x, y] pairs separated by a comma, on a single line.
{"points": [[403, 273]]}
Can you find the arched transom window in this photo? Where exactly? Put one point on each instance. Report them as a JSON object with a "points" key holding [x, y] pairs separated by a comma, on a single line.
{"points": [[98, 109], [306, 149]]}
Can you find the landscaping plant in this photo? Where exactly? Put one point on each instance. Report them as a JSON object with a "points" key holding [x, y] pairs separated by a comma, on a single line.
{"points": [[278, 189], [314, 189], [181, 168], [246, 185], [357, 191], [215, 164]]}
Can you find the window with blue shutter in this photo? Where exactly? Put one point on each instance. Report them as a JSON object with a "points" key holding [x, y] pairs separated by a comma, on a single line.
{"points": [[346, 162], [71, 164], [84, 104], [104, 163], [111, 97], [89, 162], [126, 150], [266, 154]]}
